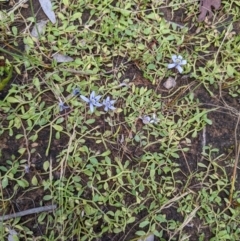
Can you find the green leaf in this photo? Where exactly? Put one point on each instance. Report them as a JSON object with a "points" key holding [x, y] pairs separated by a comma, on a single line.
{"points": [[36, 82], [34, 181], [3, 168], [147, 31], [93, 160], [18, 136], [47, 197], [90, 121], [202, 165], [230, 70], [11, 99], [46, 165], [76, 16], [140, 233], [4, 182], [33, 137], [3, 82], [175, 155], [60, 120], [106, 153], [89, 210], [57, 127], [22, 150], [131, 220], [76, 179], [151, 66], [105, 186], [66, 2], [224, 235], [153, 16], [57, 135], [194, 134], [152, 173], [125, 12], [143, 224], [22, 183]]}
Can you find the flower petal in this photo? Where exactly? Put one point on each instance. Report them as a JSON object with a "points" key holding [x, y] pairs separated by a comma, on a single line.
{"points": [[180, 57], [174, 57], [84, 98], [62, 107], [170, 66], [106, 108], [112, 107], [92, 95], [91, 107], [97, 98], [179, 68], [183, 62], [97, 104]]}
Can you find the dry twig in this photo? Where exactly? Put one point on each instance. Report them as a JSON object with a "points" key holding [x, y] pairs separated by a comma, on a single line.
{"points": [[28, 212]]}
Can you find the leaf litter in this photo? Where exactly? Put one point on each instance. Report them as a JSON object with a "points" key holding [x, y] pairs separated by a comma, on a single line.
{"points": [[206, 8], [47, 9]]}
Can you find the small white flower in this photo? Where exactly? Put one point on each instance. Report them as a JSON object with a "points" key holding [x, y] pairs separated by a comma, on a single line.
{"points": [[109, 104], [92, 100], [154, 119], [146, 119], [177, 62]]}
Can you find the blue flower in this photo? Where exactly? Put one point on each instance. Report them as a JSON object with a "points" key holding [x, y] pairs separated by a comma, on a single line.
{"points": [[76, 91], [177, 62], [92, 100], [109, 104], [62, 106]]}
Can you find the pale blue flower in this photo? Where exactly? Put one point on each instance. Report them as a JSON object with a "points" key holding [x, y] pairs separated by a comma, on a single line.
{"points": [[92, 100], [109, 104], [62, 105], [177, 62]]}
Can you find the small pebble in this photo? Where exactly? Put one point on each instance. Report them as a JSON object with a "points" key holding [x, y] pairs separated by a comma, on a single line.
{"points": [[170, 83]]}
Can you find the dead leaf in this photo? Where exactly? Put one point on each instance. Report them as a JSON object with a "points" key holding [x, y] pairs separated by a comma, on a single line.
{"points": [[206, 8], [148, 238], [47, 9], [12, 235], [38, 29], [61, 58]]}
